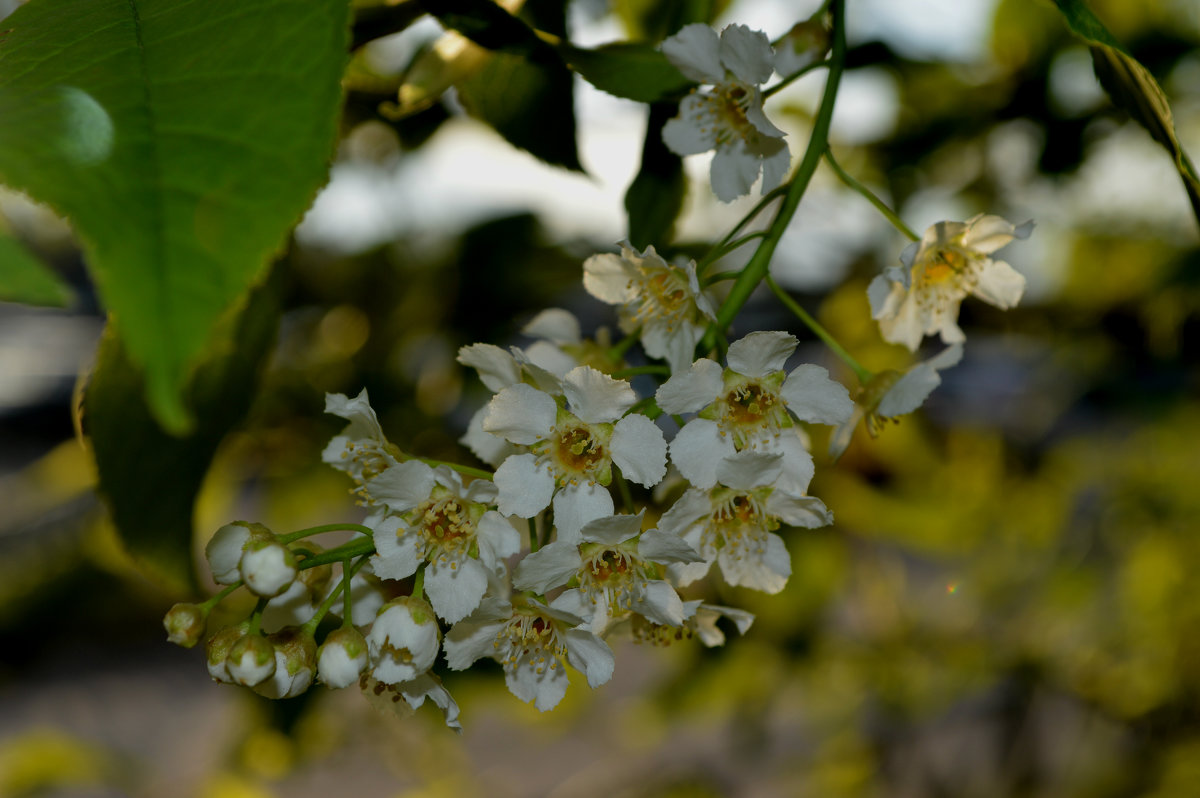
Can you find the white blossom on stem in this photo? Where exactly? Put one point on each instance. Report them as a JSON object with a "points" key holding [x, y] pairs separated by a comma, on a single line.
{"points": [[403, 641], [361, 450]]}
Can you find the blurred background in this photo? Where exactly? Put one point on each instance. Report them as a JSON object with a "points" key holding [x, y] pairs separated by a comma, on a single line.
{"points": [[1005, 604]]}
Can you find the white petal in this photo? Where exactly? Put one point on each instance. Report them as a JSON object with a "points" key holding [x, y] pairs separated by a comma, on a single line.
{"points": [[576, 505], [455, 592], [696, 51], [769, 574], [554, 324], [905, 325], [596, 398], [524, 487], [692, 390], [683, 574], [674, 342], [775, 166], [747, 53], [986, 234], [611, 278], [497, 538], [429, 686], [761, 353], [883, 297], [547, 357], [686, 511], [491, 449], [911, 390], [470, 640], [639, 450], [544, 689], [521, 414], [733, 171], [813, 396], [399, 551], [612, 529], [402, 487], [771, 140], [697, 449], [807, 512], [552, 565], [363, 423], [663, 547], [590, 655], [999, 284], [685, 134], [750, 469], [497, 369], [661, 604], [797, 462]]}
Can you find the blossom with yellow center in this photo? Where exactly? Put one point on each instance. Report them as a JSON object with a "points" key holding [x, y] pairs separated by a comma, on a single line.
{"points": [[361, 450], [617, 569], [664, 300], [950, 261], [733, 523], [434, 518], [572, 448], [729, 116], [531, 641]]}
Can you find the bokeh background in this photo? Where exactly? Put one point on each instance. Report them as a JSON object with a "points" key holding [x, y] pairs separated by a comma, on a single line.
{"points": [[1005, 605]]}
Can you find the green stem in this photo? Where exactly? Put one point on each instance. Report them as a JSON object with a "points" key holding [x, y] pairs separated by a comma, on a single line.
{"points": [[207, 605], [719, 248], [418, 590], [874, 200], [760, 263], [317, 530], [623, 489], [256, 617], [354, 548], [462, 469], [864, 375], [310, 626], [794, 77], [533, 535]]}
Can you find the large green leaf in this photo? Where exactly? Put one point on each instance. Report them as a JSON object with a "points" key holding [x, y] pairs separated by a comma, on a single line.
{"points": [[182, 138], [24, 278], [150, 478], [627, 69], [655, 197], [1133, 88]]}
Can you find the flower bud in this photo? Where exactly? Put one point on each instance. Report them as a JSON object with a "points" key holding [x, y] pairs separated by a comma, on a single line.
{"points": [[224, 550], [268, 567], [295, 661], [806, 43], [251, 660], [217, 651], [185, 624], [342, 658], [404, 640]]}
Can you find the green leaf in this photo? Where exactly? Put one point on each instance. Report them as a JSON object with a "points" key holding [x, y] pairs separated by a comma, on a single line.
{"points": [[24, 278], [183, 139], [531, 104], [149, 478], [627, 69], [490, 26], [655, 197], [1133, 88]]}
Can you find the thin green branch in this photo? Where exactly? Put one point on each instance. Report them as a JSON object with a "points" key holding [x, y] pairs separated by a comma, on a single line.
{"points": [[317, 530], [845, 177], [864, 375], [794, 77]]}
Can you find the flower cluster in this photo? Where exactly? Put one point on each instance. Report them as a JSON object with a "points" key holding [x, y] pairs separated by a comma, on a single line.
{"points": [[613, 489]]}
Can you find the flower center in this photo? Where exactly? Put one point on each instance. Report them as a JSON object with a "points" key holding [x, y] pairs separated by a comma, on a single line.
{"points": [[942, 265], [529, 638], [448, 529], [739, 523], [664, 297], [728, 105], [611, 573], [656, 634], [578, 453], [749, 408]]}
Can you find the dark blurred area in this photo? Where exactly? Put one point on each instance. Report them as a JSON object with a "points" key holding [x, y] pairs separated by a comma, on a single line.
{"points": [[1004, 607]]}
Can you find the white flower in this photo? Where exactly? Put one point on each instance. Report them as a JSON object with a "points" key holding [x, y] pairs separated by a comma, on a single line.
{"points": [[268, 567], [572, 448], [403, 641], [342, 658], [616, 573], [699, 619], [444, 523], [949, 262], [224, 549], [663, 299], [732, 523], [530, 640], [251, 660], [890, 394], [361, 450], [750, 404], [729, 117]]}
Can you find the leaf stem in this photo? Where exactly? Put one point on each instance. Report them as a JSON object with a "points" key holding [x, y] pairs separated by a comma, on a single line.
{"points": [[348, 550], [896, 221], [864, 375], [317, 530], [794, 77]]}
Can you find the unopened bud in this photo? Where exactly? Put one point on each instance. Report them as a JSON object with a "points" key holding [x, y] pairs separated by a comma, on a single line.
{"points": [[185, 624], [805, 44], [224, 550], [251, 660], [268, 567], [217, 651], [342, 657], [295, 663]]}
